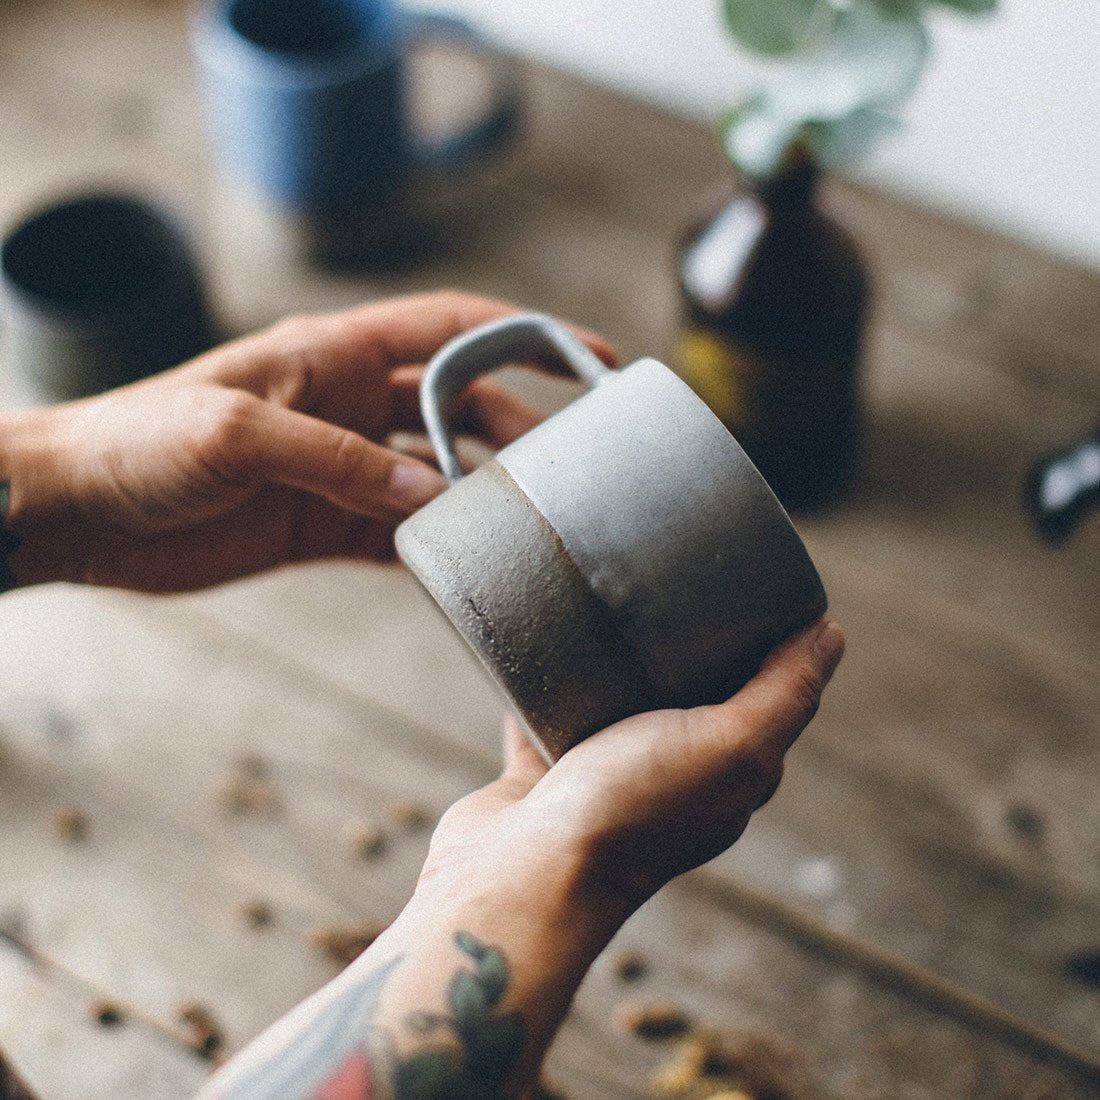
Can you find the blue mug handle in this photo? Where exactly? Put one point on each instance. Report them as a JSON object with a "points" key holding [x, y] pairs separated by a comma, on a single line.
{"points": [[489, 133]]}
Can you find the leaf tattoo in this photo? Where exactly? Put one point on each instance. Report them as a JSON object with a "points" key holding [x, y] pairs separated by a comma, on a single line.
{"points": [[490, 1043]]}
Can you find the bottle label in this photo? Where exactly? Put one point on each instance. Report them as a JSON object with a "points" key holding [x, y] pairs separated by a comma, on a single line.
{"points": [[722, 375], [762, 398]]}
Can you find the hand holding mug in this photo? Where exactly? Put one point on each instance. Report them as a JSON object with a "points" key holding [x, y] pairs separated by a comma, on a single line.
{"points": [[266, 450]]}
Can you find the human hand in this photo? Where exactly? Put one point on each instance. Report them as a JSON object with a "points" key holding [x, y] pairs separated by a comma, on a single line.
{"points": [[525, 883], [266, 450], [648, 798]]}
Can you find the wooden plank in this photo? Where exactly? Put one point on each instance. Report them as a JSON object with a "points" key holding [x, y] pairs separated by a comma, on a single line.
{"points": [[969, 691], [131, 709], [47, 1031], [894, 818]]}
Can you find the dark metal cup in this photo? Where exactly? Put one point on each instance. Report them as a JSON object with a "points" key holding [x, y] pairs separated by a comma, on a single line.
{"points": [[97, 291]]}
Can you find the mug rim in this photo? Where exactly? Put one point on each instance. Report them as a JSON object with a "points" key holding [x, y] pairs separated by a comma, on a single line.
{"points": [[222, 48]]}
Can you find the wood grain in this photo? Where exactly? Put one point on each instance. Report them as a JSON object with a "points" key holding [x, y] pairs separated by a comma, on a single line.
{"points": [[942, 809]]}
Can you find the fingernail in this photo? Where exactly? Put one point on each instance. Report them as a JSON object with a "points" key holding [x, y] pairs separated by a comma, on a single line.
{"points": [[413, 484], [829, 647]]}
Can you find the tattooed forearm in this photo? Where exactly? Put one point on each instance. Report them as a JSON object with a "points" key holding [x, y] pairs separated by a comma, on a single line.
{"points": [[347, 1053], [489, 1042]]}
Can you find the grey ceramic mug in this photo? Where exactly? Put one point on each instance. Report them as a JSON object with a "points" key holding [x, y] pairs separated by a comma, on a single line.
{"points": [[624, 555]]}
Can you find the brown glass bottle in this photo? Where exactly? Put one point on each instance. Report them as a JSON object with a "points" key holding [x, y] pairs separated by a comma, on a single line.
{"points": [[775, 297]]}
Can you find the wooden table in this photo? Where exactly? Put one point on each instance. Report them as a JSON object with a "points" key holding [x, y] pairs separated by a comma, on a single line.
{"points": [[903, 918]]}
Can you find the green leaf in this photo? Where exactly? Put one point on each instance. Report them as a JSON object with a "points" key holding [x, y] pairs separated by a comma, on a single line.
{"points": [[492, 973], [899, 8], [425, 1076], [971, 7], [756, 139], [773, 27], [467, 999], [843, 140], [493, 1047], [867, 61], [470, 945]]}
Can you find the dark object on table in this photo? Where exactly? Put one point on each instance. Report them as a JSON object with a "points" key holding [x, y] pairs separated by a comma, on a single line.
{"points": [[98, 290], [108, 1013], [203, 1033], [1085, 967], [1064, 486], [775, 295]]}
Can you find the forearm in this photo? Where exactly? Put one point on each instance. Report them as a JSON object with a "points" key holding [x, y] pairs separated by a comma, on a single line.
{"points": [[460, 997], [39, 512]]}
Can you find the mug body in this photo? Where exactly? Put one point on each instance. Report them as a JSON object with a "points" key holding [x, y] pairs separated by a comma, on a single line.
{"points": [[305, 99], [625, 555], [98, 291]]}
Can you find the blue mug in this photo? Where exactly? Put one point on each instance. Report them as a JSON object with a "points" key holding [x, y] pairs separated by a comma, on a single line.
{"points": [[306, 100]]}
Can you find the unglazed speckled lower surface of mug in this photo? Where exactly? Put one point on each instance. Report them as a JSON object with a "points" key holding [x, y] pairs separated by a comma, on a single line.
{"points": [[502, 577]]}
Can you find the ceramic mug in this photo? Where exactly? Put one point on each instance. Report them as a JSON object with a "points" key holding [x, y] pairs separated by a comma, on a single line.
{"points": [[622, 556], [96, 291], [305, 100]]}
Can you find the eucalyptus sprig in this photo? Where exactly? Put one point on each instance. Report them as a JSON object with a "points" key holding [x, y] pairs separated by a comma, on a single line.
{"points": [[843, 69]]}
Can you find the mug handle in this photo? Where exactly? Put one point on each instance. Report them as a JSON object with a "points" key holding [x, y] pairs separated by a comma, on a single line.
{"points": [[500, 122], [483, 349]]}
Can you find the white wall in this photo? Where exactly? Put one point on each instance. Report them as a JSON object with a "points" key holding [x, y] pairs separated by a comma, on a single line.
{"points": [[1005, 129]]}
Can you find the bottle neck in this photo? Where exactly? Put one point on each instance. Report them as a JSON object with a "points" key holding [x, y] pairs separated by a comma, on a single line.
{"points": [[795, 185]]}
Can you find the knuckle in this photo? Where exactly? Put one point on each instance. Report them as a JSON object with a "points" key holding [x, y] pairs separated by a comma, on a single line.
{"points": [[224, 429], [452, 299], [345, 462], [296, 329]]}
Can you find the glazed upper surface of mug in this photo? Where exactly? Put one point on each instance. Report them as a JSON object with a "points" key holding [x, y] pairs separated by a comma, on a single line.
{"points": [[672, 526]]}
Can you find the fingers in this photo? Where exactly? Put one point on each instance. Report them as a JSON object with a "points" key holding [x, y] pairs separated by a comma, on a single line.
{"points": [[413, 329], [257, 439], [522, 761], [776, 705], [485, 409]]}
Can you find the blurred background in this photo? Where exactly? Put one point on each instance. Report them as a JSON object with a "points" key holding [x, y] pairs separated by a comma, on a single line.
{"points": [[1003, 129]]}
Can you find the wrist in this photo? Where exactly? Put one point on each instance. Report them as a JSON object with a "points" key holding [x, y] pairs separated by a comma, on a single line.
{"points": [[38, 514]]}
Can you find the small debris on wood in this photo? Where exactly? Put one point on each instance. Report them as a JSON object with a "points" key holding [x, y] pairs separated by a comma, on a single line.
{"points": [[657, 1020], [408, 815], [343, 944], [251, 765], [744, 1062], [249, 789], [256, 913], [246, 796], [108, 1013], [70, 824], [365, 840], [204, 1036], [684, 1071], [1085, 967], [631, 967], [1025, 821]]}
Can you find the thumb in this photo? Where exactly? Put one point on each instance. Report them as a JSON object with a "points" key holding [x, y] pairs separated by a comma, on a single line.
{"points": [[351, 471], [777, 704]]}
